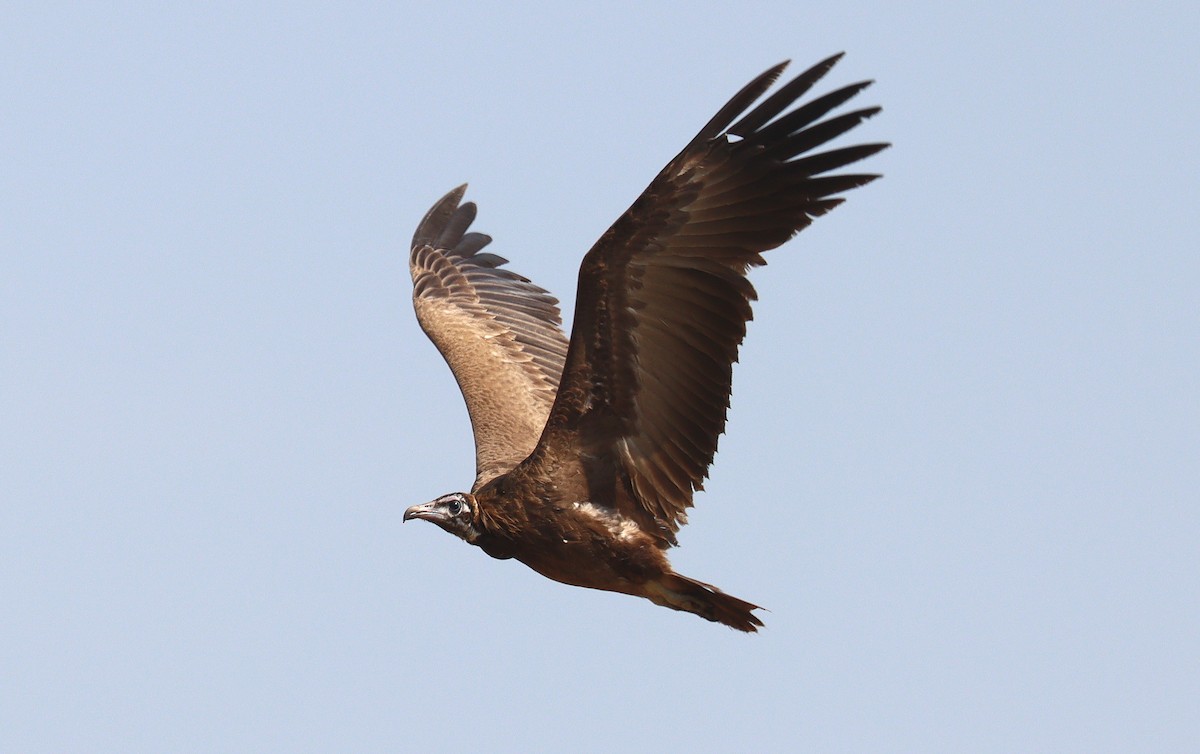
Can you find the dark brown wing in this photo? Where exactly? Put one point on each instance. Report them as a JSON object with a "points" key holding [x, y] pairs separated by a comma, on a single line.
{"points": [[663, 296], [500, 334]]}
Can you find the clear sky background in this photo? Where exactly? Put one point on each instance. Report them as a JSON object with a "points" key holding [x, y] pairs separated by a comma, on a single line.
{"points": [[961, 468]]}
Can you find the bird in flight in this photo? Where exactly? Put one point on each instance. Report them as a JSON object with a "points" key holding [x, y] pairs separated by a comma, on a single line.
{"points": [[588, 450]]}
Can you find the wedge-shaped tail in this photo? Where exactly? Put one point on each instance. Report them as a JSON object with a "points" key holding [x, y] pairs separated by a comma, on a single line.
{"points": [[691, 596]]}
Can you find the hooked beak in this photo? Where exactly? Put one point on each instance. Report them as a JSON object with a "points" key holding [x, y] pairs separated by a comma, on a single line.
{"points": [[426, 511]]}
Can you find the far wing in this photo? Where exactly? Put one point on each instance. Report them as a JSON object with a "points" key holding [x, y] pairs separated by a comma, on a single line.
{"points": [[500, 334]]}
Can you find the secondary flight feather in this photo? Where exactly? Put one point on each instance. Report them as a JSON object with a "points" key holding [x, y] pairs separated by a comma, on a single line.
{"points": [[588, 450]]}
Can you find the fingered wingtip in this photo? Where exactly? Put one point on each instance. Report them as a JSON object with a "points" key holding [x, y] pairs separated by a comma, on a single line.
{"points": [[437, 217]]}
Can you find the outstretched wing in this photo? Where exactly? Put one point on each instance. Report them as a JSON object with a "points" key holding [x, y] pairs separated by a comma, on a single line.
{"points": [[500, 334], [663, 297]]}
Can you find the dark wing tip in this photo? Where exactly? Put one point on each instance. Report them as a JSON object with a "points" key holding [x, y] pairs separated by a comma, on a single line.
{"points": [[738, 103], [784, 97], [446, 227], [438, 217]]}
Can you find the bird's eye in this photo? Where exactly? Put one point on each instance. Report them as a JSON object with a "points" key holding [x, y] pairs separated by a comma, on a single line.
{"points": [[455, 507]]}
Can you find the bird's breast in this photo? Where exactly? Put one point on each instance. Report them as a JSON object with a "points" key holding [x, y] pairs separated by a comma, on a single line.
{"points": [[584, 544]]}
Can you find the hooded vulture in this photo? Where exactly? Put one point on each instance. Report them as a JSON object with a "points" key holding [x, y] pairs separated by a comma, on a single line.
{"points": [[588, 449]]}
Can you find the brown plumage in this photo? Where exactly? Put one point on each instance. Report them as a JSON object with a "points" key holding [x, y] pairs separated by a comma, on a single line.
{"points": [[588, 481]]}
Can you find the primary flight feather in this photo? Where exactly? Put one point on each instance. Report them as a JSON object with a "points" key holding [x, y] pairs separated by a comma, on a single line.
{"points": [[588, 450]]}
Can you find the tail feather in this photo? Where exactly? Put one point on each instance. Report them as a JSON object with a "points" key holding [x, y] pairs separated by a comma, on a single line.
{"points": [[681, 593]]}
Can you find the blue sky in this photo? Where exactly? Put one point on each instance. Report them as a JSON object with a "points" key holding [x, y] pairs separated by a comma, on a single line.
{"points": [[961, 467]]}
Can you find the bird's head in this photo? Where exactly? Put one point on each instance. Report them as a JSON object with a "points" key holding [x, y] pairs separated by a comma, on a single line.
{"points": [[457, 513]]}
